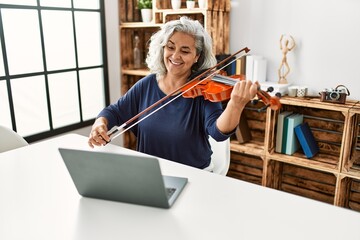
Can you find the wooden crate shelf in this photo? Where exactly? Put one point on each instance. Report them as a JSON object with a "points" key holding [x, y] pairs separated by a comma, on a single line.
{"points": [[349, 193], [332, 175], [301, 181], [214, 17], [351, 163], [246, 167]]}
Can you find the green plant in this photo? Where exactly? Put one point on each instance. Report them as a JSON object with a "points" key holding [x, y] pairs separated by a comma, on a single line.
{"points": [[144, 4]]}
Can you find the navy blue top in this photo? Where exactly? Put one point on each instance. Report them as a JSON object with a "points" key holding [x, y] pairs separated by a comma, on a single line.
{"points": [[178, 132]]}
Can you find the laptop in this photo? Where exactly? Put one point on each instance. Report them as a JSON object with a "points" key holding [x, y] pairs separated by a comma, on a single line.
{"points": [[119, 177]]}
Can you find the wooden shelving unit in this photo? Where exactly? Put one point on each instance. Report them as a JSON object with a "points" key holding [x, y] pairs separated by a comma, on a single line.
{"points": [[214, 17], [332, 176]]}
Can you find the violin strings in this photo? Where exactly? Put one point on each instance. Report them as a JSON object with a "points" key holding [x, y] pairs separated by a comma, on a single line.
{"points": [[179, 95]]}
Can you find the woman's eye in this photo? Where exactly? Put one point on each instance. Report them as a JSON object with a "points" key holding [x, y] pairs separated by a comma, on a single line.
{"points": [[170, 47]]}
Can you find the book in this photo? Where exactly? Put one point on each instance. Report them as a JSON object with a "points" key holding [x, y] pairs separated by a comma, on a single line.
{"points": [[240, 66], [249, 68], [280, 129], [292, 143], [242, 132], [259, 71], [307, 140]]}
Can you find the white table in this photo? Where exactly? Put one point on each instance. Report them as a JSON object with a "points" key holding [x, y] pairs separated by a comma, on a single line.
{"points": [[38, 200]]}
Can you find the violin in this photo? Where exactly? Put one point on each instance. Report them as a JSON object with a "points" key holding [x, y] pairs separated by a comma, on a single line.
{"points": [[210, 84], [218, 88]]}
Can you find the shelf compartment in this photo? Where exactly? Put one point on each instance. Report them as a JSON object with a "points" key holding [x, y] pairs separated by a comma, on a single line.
{"points": [[350, 193], [328, 128], [351, 162], [246, 167], [214, 5], [127, 36], [310, 183]]}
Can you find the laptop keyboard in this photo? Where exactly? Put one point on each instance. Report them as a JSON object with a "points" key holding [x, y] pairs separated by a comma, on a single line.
{"points": [[170, 192]]}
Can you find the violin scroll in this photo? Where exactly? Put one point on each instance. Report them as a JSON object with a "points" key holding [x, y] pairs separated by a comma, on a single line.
{"points": [[270, 101]]}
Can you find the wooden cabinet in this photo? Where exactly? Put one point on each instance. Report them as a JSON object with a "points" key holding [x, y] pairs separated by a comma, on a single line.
{"points": [[214, 17], [331, 176]]}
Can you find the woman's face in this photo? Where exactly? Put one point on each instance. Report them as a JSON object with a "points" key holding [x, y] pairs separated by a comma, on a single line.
{"points": [[180, 54]]}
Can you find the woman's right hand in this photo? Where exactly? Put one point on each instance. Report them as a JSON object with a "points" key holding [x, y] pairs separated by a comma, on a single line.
{"points": [[98, 134]]}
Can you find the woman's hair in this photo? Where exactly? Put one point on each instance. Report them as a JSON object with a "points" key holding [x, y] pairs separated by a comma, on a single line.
{"points": [[203, 45]]}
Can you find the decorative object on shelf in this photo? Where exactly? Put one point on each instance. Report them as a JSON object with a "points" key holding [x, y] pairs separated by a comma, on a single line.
{"points": [[292, 91], [307, 140], [145, 7], [286, 45], [137, 53], [176, 4], [202, 3], [302, 91], [190, 4], [336, 95]]}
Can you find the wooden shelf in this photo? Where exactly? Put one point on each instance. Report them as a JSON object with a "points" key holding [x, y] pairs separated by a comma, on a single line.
{"points": [[332, 175], [135, 72], [215, 19]]}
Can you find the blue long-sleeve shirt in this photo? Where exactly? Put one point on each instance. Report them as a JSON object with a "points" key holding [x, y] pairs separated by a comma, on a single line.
{"points": [[177, 132]]}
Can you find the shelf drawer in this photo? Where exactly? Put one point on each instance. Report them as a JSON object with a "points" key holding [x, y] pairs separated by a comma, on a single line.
{"points": [[246, 167], [350, 193], [301, 181]]}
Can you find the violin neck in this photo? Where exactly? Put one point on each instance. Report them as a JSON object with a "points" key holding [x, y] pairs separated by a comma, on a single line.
{"points": [[224, 79]]}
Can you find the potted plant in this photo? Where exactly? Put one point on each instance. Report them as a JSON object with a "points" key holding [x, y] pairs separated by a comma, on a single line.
{"points": [[202, 3], [176, 4], [190, 4], [145, 7]]}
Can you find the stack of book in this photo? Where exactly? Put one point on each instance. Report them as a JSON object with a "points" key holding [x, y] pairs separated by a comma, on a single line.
{"points": [[292, 133]]}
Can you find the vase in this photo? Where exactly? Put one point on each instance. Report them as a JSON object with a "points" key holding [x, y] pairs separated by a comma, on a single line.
{"points": [[176, 4], [202, 3], [146, 15], [190, 4]]}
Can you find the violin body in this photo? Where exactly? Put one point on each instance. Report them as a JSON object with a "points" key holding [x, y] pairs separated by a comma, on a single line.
{"points": [[210, 90]]}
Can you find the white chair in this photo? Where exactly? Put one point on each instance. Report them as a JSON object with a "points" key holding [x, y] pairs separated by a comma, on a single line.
{"points": [[10, 139], [221, 156]]}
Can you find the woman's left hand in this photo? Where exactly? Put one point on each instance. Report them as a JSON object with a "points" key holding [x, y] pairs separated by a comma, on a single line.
{"points": [[243, 92]]}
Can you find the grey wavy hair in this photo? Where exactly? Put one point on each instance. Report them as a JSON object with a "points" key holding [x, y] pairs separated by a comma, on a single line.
{"points": [[203, 45]]}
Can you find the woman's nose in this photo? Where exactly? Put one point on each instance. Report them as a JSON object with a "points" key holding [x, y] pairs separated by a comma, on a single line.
{"points": [[176, 54]]}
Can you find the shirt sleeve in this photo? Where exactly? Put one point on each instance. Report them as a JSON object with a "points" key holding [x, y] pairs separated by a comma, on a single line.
{"points": [[212, 112]]}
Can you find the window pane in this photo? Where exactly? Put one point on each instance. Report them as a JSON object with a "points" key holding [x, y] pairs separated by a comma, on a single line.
{"points": [[30, 105], [64, 99], [22, 39], [2, 70], [88, 4], [88, 35], [92, 92], [59, 39], [5, 118], [20, 2], [56, 3]]}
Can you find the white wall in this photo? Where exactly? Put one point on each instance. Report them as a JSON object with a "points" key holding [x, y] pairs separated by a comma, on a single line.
{"points": [[327, 34]]}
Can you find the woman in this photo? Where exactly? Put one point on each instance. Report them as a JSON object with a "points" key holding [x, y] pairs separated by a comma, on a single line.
{"points": [[180, 130]]}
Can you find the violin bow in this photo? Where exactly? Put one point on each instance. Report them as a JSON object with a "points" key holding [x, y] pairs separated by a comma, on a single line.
{"points": [[118, 130]]}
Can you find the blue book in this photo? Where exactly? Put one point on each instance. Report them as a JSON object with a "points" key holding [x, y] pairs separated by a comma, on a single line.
{"points": [[285, 133], [307, 140], [292, 143], [280, 130]]}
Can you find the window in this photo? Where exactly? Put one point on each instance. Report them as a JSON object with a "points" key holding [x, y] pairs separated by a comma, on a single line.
{"points": [[53, 72]]}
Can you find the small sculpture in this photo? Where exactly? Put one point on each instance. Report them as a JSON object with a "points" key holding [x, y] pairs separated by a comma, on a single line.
{"points": [[285, 47]]}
